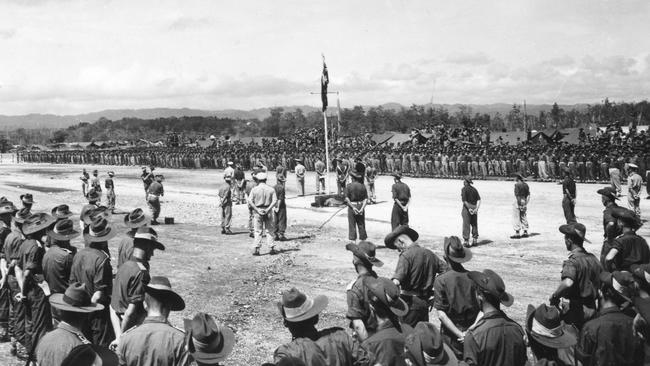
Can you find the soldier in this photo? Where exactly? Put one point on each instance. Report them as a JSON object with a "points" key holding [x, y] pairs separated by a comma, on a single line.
{"points": [[147, 179], [401, 200], [110, 191], [356, 198], [580, 277], [27, 200], [300, 176], [155, 191], [415, 273], [262, 200], [371, 175], [155, 341], [57, 261], [93, 199], [551, 341], [615, 177], [610, 229], [280, 210], [225, 202], [240, 182], [455, 296], [522, 197], [634, 182], [133, 220], [320, 176], [363, 259], [7, 210], [471, 203], [342, 172], [628, 248], [495, 339], [84, 181], [569, 197], [127, 309], [73, 307], [34, 317], [92, 266], [425, 347], [95, 184]]}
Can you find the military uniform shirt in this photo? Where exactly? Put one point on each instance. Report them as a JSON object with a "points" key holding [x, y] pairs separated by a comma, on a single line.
{"points": [[12, 247], [495, 340], [614, 231], [31, 256], [92, 267], [280, 193], [55, 346], [124, 250], [609, 340], [304, 349], [632, 249], [108, 183], [455, 295], [57, 263], [262, 195], [386, 347], [225, 194], [569, 185], [401, 192], [584, 269], [358, 304], [356, 192], [417, 268], [130, 281], [470, 195], [4, 232], [156, 188], [154, 342], [522, 190]]}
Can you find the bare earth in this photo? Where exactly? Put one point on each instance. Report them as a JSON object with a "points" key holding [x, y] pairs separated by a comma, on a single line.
{"points": [[216, 274]]}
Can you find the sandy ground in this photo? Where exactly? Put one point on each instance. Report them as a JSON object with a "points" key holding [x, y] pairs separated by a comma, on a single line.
{"points": [[216, 274]]}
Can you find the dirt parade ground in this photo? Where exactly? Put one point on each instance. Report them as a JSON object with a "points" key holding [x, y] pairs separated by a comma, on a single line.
{"points": [[216, 273]]}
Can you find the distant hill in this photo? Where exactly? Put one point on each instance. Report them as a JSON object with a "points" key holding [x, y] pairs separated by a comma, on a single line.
{"points": [[56, 121]]}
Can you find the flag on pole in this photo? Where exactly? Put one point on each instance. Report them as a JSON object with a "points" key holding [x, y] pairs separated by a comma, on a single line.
{"points": [[324, 80]]}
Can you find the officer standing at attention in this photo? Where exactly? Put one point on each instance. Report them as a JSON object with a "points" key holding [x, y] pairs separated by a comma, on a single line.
{"points": [[262, 200], [155, 341], [225, 202], [300, 176], [320, 176], [471, 203], [147, 179], [580, 277], [95, 184], [522, 197], [361, 320], [401, 198], [371, 175], [110, 191], [342, 170], [280, 210], [634, 182], [416, 271], [356, 198], [154, 192]]}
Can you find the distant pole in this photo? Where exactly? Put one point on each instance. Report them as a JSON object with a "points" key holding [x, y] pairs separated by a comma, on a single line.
{"points": [[525, 117], [338, 113], [327, 153]]}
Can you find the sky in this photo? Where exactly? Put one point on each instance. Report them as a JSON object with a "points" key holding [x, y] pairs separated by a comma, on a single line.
{"points": [[78, 56]]}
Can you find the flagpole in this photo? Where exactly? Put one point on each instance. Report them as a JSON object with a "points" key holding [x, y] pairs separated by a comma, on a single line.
{"points": [[327, 154]]}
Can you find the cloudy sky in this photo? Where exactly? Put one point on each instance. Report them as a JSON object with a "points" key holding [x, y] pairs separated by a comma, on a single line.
{"points": [[73, 56]]}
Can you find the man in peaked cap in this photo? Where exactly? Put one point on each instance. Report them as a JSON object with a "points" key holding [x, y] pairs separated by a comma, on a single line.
{"points": [[73, 307], [402, 198], [551, 341], [262, 200], [208, 341], [417, 268], [155, 341], [424, 347], [610, 229], [280, 210], [133, 221], [609, 339], [314, 347], [92, 266], [109, 184], [386, 345], [522, 197], [155, 191], [363, 259], [342, 171], [84, 181], [628, 248], [580, 277], [300, 171], [356, 198], [634, 183], [455, 296], [495, 339], [127, 299], [569, 197]]}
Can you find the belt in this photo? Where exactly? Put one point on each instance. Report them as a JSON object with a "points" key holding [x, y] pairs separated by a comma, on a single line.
{"points": [[413, 293], [262, 207]]}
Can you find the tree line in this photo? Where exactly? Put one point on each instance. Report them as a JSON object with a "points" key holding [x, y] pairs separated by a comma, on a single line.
{"points": [[353, 121]]}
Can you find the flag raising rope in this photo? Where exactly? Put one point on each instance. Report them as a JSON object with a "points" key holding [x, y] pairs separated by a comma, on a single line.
{"points": [[324, 80]]}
